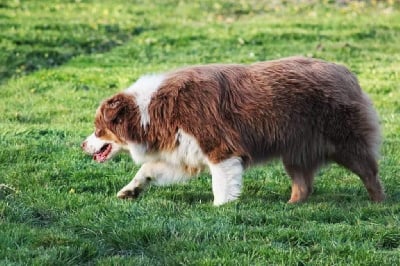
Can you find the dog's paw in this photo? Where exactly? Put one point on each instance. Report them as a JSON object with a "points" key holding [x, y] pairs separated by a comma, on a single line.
{"points": [[126, 193]]}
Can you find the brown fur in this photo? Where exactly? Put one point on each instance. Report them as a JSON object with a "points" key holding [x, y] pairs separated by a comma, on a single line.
{"points": [[305, 111], [118, 119]]}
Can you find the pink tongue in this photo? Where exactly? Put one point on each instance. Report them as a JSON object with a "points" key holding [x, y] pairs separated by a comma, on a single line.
{"points": [[102, 155], [98, 157]]}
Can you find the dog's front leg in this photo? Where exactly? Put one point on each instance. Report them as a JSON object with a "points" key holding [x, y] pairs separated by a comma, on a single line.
{"points": [[158, 173], [137, 185], [226, 180]]}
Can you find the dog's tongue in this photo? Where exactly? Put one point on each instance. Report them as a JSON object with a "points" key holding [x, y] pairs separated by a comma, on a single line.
{"points": [[101, 155], [98, 157]]}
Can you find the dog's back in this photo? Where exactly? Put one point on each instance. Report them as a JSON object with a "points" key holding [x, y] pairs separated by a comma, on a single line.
{"points": [[300, 108]]}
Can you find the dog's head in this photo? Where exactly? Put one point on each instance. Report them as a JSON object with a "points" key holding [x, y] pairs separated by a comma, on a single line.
{"points": [[117, 123]]}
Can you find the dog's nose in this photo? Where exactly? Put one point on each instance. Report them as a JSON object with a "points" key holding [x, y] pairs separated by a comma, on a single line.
{"points": [[83, 145]]}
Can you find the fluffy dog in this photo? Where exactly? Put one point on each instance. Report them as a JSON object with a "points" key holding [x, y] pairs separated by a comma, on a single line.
{"points": [[225, 118]]}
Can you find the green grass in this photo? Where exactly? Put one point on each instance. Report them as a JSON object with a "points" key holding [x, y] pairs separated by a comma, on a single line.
{"points": [[59, 59]]}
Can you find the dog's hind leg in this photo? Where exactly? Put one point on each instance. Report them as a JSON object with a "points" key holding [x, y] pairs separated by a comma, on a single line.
{"points": [[302, 181], [366, 167]]}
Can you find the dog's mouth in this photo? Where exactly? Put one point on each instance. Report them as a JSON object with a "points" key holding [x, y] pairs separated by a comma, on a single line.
{"points": [[101, 155]]}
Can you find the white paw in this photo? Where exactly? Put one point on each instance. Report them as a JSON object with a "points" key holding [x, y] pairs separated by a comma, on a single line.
{"points": [[129, 193], [219, 202]]}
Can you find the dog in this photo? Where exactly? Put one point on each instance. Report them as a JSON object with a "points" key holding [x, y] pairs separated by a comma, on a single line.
{"points": [[227, 117]]}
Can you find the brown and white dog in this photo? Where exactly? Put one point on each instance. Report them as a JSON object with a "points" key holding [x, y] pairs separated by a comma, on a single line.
{"points": [[227, 117]]}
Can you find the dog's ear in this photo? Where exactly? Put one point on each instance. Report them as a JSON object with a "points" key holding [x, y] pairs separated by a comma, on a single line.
{"points": [[113, 109]]}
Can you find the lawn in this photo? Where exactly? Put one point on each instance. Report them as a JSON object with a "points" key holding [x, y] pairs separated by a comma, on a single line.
{"points": [[59, 59]]}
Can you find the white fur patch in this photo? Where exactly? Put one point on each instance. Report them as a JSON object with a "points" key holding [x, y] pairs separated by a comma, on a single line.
{"points": [[93, 144], [138, 152], [187, 153], [143, 89], [163, 174], [226, 180]]}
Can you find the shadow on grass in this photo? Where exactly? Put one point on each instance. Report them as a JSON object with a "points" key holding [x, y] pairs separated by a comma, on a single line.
{"points": [[51, 45]]}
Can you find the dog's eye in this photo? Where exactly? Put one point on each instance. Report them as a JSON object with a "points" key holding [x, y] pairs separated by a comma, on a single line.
{"points": [[99, 132]]}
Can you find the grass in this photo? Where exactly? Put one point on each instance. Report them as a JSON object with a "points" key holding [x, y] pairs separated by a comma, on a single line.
{"points": [[59, 59]]}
